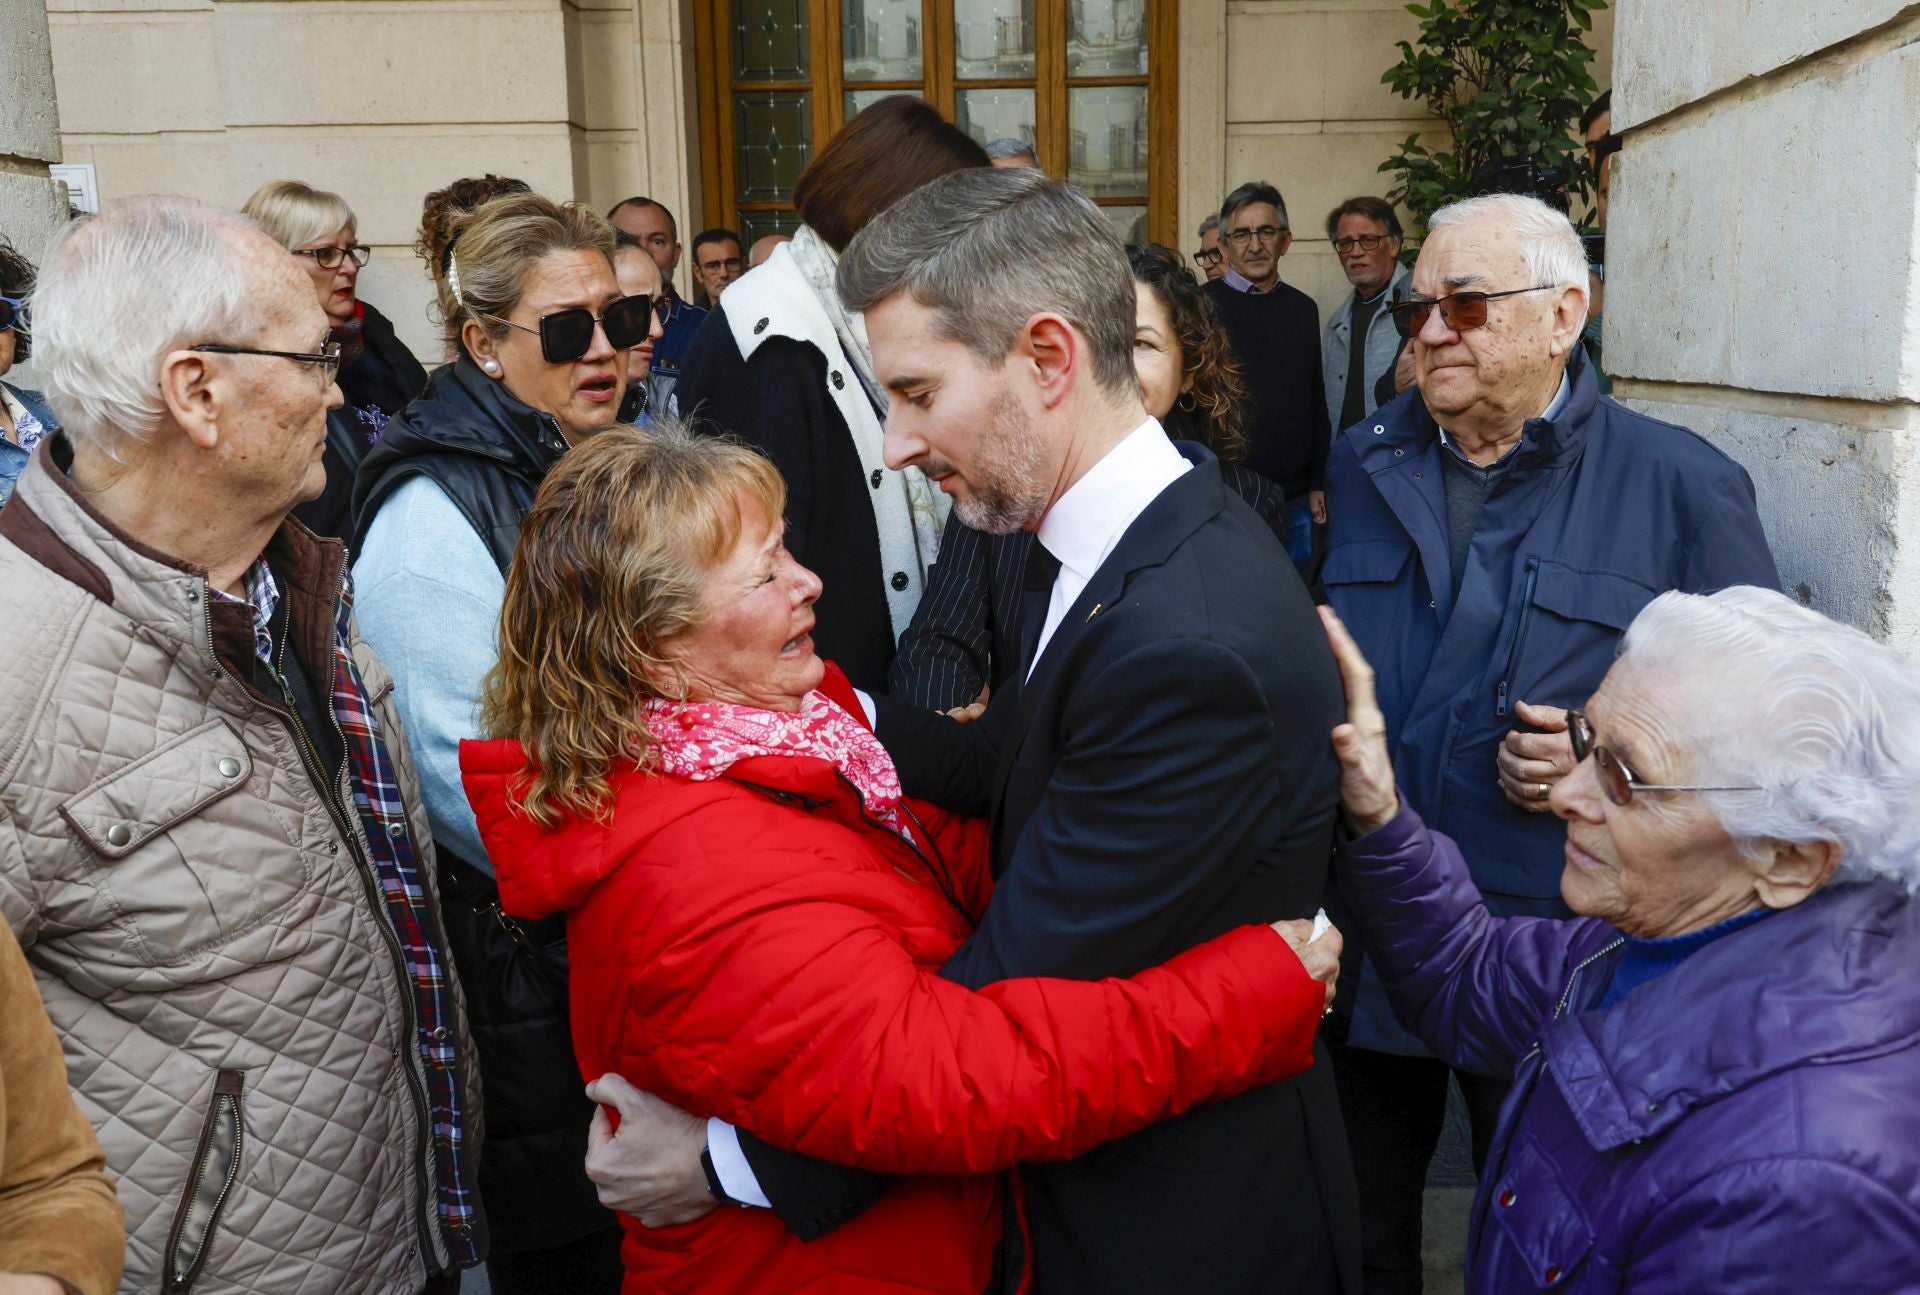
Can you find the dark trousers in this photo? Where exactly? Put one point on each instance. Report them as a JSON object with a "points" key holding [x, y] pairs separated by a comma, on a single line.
{"points": [[1395, 1108], [589, 1266]]}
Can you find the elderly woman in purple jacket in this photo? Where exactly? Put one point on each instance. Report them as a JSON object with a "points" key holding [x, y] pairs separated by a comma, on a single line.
{"points": [[1716, 1064]]}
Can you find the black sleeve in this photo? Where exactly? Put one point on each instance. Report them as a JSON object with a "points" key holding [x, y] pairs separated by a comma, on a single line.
{"points": [[812, 1197], [1383, 391], [771, 403], [946, 655], [1262, 495]]}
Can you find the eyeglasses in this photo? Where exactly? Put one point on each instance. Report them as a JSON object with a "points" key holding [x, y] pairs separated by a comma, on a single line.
{"points": [[1207, 257], [1458, 310], [730, 264], [1365, 242], [566, 335], [13, 311], [328, 356], [328, 257], [1616, 779], [1265, 233]]}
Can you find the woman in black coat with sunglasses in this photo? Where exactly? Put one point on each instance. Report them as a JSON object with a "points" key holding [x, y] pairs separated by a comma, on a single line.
{"points": [[540, 332]]}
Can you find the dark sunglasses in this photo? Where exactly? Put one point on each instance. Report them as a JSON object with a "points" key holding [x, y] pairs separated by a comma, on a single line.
{"points": [[328, 257], [1458, 310], [13, 311], [1207, 256], [1616, 779], [566, 335]]}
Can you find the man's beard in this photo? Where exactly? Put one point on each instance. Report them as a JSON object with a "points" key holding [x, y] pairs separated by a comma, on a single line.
{"points": [[1005, 487]]}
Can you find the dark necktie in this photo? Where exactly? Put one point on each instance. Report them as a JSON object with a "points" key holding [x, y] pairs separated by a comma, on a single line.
{"points": [[1036, 591]]}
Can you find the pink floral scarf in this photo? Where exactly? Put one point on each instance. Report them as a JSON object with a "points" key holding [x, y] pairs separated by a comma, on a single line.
{"points": [[701, 740]]}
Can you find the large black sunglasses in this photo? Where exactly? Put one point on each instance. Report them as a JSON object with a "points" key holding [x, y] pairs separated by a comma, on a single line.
{"points": [[566, 335], [1616, 779], [12, 313]]}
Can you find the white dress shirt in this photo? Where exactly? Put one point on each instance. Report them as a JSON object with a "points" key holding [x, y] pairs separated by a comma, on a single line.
{"points": [[1085, 524]]}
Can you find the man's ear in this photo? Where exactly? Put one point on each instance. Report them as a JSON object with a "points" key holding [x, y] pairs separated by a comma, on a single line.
{"points": [[195, 395], [1569, 317], [1286, 241], [1052, 349], [1790, 871]]}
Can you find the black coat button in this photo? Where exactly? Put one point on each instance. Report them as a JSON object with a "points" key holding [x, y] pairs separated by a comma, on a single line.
{"points": [[876, 478], [900, 581], [839, 383], [761, 327]]}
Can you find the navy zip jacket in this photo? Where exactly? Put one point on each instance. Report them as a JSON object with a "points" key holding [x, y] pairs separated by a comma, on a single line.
{"points": [[1601, 510]]}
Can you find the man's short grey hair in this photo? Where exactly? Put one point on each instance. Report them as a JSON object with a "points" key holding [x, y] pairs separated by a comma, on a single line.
{"points": [[116, 293], [1821, 718], [1001, 149], [988, 249], [1554, 253], [1210, 224]]}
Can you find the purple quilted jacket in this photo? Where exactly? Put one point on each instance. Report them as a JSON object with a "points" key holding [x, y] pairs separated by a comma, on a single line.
{"points": [[1747, 1122]]}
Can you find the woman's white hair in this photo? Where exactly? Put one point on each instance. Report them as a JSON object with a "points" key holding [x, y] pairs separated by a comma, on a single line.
{"points": [[1821, 718], [116, 293], [1554, 254]]}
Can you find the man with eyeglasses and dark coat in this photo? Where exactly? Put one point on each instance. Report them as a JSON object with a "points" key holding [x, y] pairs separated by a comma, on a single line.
{"points": [[1275, 330], [1494, 531]]}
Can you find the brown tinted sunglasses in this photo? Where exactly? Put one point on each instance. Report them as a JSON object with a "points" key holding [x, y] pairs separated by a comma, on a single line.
{"points": [[1458, 310], [1616, 779]]}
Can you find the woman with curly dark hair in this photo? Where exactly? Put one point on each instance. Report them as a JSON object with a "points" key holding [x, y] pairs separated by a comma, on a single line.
{"points": [[965, 634], [24, 416], [1187, 366]]}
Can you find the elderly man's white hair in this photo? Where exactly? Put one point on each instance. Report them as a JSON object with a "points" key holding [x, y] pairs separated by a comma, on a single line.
{"points": [[1825, 721], [119, 290], [1554, 254]]}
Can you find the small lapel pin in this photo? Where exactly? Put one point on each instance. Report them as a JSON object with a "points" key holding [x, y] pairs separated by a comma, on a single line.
{"points": [[1095, 612]]}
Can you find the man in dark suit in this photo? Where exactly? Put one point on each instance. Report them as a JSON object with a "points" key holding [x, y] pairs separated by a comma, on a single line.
{"points": [[1157, 768]]}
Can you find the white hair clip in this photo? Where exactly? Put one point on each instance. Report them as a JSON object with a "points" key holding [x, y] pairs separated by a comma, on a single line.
{"points": [[453, 277]]}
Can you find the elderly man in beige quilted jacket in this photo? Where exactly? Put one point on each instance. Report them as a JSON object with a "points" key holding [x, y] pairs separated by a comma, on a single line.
{"points": [[211, 840]]}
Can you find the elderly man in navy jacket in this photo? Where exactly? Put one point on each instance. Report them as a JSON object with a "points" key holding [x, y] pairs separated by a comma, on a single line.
{"points": [[1493, 532]]}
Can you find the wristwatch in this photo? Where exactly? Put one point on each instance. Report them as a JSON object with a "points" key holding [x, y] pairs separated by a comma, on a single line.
{"points": [[714, 1188]]}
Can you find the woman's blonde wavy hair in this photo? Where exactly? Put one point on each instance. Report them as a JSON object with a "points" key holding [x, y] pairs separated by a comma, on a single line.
{"points": [[608, 572]]}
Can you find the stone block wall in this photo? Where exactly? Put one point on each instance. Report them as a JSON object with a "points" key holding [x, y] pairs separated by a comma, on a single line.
{"points": [[30, 203], [380, 102], [1764, 272]]}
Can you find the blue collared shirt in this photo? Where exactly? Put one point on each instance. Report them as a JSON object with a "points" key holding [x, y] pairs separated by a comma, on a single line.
{"points": [[1241, 283]]}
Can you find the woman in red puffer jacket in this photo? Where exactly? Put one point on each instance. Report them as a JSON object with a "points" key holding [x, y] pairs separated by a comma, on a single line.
{"points": [[757, 917]]}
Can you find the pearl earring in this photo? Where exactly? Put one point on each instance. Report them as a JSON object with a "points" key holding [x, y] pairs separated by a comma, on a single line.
{"points": [[490, 366]]}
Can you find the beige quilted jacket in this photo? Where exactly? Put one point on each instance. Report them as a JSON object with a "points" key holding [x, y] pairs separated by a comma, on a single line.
{"points": [[226, 985]]}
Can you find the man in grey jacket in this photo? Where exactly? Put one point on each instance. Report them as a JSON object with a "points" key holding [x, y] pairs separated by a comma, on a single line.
{"points": [[212, 845], [1360, 343]]}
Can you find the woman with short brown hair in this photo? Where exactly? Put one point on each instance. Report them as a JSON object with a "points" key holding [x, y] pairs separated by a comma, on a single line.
{"points": [[784, 366]]}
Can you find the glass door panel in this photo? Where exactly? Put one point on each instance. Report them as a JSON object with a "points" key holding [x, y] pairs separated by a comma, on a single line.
{"points": [[993, 39], [880, 41], [1107, 38], [770, 40], [1107, 140]]}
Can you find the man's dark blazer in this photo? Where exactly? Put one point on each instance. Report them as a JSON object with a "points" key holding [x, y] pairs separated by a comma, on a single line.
{"points": [[1164, 775]]}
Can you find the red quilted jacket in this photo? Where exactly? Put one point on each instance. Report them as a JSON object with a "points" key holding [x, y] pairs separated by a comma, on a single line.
{"points": [[752, 947]]}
